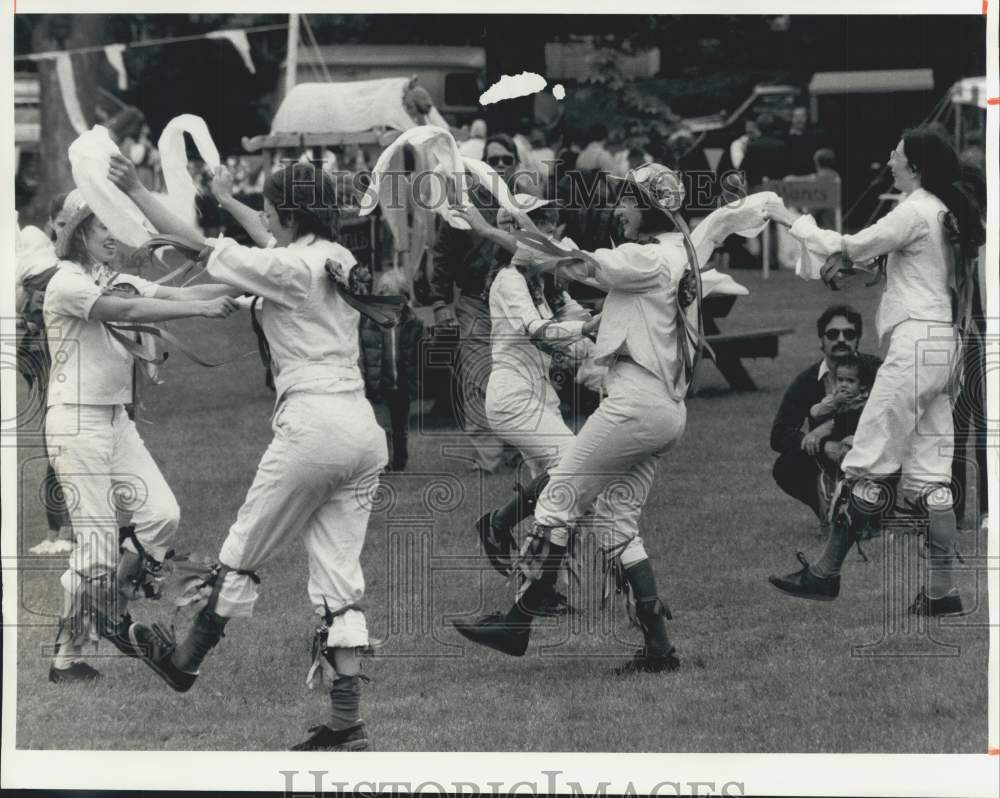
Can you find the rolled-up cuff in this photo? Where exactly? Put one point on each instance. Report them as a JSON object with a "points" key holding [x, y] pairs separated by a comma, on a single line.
{"points": [[349, 630]]}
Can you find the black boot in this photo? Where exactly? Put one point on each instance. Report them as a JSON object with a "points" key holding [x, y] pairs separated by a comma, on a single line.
{"points": [[510, 633], [657, 653], [177, 664], [495, 529]]}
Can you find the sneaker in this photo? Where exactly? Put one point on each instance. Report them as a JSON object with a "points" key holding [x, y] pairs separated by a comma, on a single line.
{"points": [[323, 738], [156, 647], [949, 604], [496, 632], [61, 546], [45, 547], [805, 584], [497, 543], [77, 672], [649, 663]]}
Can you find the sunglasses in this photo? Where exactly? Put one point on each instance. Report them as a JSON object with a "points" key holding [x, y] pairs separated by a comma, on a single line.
{"points": [[847, 335], [500, 160]]}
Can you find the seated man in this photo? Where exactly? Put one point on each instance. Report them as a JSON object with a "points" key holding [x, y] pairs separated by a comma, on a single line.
{"points": [[800, 456]]}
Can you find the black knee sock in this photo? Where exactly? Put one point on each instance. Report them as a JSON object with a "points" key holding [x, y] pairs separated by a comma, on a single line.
{"points": [[521, 505], [848, 524], [527, 606], [345, 702], [203, 636]]}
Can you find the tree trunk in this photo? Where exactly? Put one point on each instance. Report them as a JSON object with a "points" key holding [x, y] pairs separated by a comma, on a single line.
{"points": [[62, 32]]}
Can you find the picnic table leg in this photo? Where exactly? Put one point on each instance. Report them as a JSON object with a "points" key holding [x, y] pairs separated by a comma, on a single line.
{"points": [[736, 375]]}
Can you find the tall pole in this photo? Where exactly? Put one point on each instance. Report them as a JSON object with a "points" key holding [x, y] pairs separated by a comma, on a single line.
{"points": [[292, 59]]}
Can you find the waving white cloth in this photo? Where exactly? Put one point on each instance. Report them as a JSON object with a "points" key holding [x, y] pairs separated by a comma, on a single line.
{"points": [[90, 158], [450, 181], [181, 190]]}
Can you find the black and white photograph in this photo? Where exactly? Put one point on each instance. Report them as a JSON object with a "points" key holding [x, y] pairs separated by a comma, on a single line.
{"points": [[522, 399]]}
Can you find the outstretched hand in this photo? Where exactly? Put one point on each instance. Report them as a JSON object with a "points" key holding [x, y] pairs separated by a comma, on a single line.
{"points": [[222, 183], [776, 211], [470, 213]]}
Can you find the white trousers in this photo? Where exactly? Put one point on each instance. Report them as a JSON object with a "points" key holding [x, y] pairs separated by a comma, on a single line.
{"points": [[527, 416], [317, 478], [105, 470], [907, 423], [613, 460]]}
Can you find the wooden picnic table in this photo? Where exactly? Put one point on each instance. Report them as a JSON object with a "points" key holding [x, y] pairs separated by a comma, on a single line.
{"points": [[731, 349]]}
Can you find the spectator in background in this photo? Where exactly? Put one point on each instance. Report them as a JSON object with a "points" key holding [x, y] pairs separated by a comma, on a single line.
{"points": [[474, 146], [839, 328], [595, 156], [541, 152], [462, 261], [767, 155], [738, 149], [390, 366], [802, 143], [141, 151]]}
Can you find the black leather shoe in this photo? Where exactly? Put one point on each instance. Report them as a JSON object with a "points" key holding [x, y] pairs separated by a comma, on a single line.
{"points": [[496, 632], [497, 543], [77, 672], [117, 635], [805, 584], [156, 647], [644, 662], [553, 605], [949, 604], [323, 738]]}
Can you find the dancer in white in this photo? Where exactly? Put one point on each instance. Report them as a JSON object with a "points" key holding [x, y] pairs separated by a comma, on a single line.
{"points": [[930, 241], [317, 476], [644, 337], [94, 446]]}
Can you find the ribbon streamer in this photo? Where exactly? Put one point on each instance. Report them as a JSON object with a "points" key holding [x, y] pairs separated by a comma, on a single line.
{"points": [[67, 87], [239, 40], [115, 56], [181, 189]]}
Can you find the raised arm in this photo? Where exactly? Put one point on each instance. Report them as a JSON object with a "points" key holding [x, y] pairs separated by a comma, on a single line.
{"points": [[122, 173], [245, 216]]}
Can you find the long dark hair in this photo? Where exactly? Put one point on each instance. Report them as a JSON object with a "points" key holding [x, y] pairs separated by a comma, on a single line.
{"points": [[305, 195], [958, 185]]}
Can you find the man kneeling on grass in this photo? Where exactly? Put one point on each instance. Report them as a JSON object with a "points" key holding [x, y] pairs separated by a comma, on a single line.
{"points": [[801, 452]]}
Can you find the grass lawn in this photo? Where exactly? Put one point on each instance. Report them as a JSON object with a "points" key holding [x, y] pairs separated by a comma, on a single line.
{"points": [[761, 672]]}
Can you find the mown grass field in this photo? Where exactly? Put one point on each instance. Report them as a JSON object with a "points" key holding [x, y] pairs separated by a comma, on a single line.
{"points": [[760, 672]]}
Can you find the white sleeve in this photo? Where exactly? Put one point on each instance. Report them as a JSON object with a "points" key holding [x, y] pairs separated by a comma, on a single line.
{"points": [[71, 294], [145, 288], [277, 274], [510, 293], [629, 267], [901, 226]]}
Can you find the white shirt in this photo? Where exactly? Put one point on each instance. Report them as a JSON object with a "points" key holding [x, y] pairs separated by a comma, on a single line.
{"points": [[89, 367], [311, 330], [920, 263], [515, 320]]}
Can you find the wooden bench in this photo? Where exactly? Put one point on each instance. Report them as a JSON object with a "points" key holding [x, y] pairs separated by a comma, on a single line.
{"points": [[731, 349]]}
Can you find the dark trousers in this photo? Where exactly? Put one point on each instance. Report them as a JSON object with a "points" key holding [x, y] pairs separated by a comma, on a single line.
{"points": [[795, 473], [393, 415]]}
